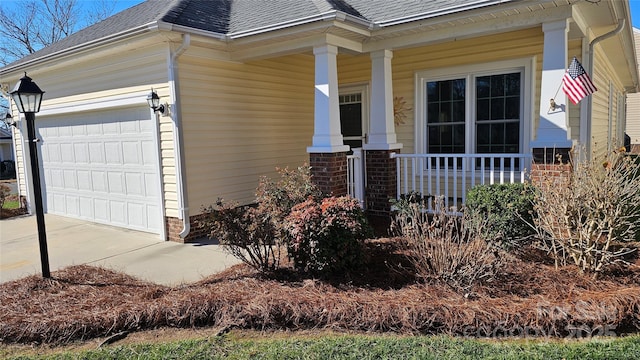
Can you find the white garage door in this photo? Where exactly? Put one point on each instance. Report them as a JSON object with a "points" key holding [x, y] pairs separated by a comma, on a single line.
{"points": [[102, 166]]}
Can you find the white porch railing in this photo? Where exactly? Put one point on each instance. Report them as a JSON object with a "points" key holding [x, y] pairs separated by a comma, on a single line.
{"points": [[355, 176], [452, 175]]}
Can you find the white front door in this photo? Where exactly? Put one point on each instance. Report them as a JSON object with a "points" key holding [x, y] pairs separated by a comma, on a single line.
{"points": [[102, 166]]}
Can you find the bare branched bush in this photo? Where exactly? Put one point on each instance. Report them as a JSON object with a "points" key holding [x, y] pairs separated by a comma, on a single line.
{"points": [[4, 193], [581, 213], [444, 247], [255, 234]]}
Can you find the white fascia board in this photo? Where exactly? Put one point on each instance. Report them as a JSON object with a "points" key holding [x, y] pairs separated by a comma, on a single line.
{"points": [[513, 22], [82, 47]]}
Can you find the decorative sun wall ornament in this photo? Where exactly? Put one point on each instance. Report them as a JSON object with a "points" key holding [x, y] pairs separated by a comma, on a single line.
{"points": [[400, 110]]}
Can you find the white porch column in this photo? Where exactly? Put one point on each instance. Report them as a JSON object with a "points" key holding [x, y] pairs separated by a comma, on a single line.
{"points": [[382, 134], [327, 136], [553, 130]]}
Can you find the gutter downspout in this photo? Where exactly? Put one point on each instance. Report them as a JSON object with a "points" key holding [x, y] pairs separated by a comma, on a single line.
{"points": [[617, 30], [174, 88]]}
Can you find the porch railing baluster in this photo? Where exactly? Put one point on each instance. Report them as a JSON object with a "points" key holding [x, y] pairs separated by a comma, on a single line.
{"points": [[452, 175]]}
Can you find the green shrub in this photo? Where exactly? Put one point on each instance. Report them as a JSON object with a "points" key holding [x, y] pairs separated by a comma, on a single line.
{"points": [[506, 211], [408, 200], [325, 237]]}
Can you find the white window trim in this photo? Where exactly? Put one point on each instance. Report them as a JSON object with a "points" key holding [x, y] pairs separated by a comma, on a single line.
{"points": [[469, 72]]}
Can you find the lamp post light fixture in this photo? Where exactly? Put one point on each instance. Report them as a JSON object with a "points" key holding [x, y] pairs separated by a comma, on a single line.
{"points": [[28, 97]]}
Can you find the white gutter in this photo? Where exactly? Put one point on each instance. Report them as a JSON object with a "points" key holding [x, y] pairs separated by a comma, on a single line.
{"points": [[178, 151], [587, 133]]}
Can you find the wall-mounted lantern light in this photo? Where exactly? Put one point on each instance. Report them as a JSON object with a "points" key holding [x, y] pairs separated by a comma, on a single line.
{"points": [[8, 119], [154, 103]]}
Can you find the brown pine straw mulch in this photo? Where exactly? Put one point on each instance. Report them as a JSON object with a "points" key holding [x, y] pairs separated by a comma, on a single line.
{"points": [[83, 302]]}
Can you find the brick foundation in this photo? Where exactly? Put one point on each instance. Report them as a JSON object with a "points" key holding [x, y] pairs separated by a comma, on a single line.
{"points": [[381, 182], [329, 172], [174, 227], [551, 163]]}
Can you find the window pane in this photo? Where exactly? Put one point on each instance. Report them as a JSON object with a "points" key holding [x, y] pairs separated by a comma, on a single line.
{"points": [[458, 111], [458, 135], [446, 116], [445, 90], [512, 108], [512, 133], [482, 134], [497, 134], [512, 84], [497, 85], [498, 113], [458, 89], [497, 108], [483, 88], [482, 110], [432, 92], [433, 112], [351, 119]]}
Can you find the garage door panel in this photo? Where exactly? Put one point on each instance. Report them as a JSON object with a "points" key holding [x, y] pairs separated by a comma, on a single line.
{"points": [[102, 166], [112, 152], [101, 209], [96, 153], [71, 205], [86, 207], [67, 153]]}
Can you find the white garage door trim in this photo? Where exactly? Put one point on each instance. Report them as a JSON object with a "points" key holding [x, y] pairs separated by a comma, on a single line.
{"points": [[99, 168]]}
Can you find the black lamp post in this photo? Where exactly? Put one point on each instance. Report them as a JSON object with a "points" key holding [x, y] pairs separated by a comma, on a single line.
{"points": [[28, 97]]}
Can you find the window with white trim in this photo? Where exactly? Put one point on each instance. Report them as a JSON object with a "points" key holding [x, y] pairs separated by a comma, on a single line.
{"points": [[477, 109]]}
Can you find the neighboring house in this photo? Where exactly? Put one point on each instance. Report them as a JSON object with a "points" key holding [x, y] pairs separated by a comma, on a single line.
{"points": [[6, 145], [254, 85], [633, 105]]}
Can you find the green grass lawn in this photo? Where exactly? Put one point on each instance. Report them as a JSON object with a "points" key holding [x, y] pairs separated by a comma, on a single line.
{"points": [[360, 347], [9, 205]]}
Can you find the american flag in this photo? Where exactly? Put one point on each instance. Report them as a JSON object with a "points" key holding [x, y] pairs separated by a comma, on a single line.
{"points": [[576, 82]]}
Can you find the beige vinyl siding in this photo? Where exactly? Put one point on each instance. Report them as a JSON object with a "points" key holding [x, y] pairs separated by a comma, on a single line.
{"points": [[604, 78], [105, 77], [406, 62], [575, 49], [633, 102], [241, 121]]}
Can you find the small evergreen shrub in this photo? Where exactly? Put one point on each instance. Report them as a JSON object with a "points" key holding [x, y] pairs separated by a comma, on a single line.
{"points": [[406, 201], [325, 237], [506, 210]]}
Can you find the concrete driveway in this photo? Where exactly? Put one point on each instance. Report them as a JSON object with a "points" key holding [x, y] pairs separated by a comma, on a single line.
{"points": [[76, 242]]}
